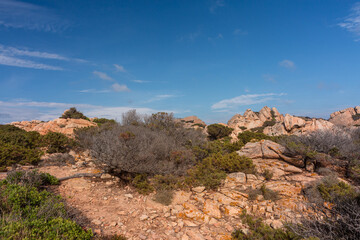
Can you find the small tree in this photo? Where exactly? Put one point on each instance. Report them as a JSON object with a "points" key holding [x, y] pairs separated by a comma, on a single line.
{"points": [[217, 131], [74, 114]]}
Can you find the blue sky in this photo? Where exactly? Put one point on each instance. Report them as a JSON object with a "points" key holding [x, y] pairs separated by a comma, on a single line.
{"points": [[210, 58]]}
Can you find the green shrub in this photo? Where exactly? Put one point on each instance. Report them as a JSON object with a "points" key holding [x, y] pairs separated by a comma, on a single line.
{"points": [[164, 196], [15, 136], [232, 162], [223, 146], [328, 188], [268, 174], [57, 142], [218, 131], [27, 213], [247, 136], [31, 178], [74, 114], [142, 184], [260, 231], [205, 174], [101, 121], [13, 154]]}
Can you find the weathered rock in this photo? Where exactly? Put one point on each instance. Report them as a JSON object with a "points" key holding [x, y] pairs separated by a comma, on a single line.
{"points": [[267, 149], [346, 117], [65, 126], [211, 208]]}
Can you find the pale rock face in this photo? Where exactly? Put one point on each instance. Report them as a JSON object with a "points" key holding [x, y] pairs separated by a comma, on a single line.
{"points": [[291, 122], [345, 117], [277, 130], [265, 114], [267, 149], [65, 126]]}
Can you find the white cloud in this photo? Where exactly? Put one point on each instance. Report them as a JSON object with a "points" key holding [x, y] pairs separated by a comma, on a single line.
{"points": [[352, 22], [17, 62], [215, 5], [140, 81], [239, 31], [17, 14], [30, 110], [103, 76], [11, 51], [247, 99], [119, 68], [287, 64], [120, 88], [161, 97], [94, 91]]}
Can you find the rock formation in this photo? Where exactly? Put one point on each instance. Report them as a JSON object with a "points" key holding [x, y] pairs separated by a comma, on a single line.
{"points": [[271, 122], [65, 126], [193, 122], [346, 117]]}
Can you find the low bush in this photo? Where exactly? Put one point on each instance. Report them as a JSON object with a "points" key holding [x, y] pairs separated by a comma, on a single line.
{"points": [[258, 230], [267, 193], [232, 162], [157, 146], [205, 174], [212, 170], [223, 146], [247, 136], [218, 131], [328, 189], [338, 220], [74, 114], [142, 184], [13, 154], [101, 121], [57, 142], [268, 175], [27, 213]]}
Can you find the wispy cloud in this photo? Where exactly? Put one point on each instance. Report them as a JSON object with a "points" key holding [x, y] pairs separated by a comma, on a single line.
{"points": [[94, 91], [239, 31], [120, 88], [17, 14], [17, 62], [287, 64], [248, 99], [161, 97], [119, 68], [140, 81], [30, 110], [269, 78], [215, 4], [103, 76], [11, 51], [352, 22]]}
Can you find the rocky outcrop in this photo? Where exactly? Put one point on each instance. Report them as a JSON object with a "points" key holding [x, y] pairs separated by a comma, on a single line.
{"points": [[271, 122], [65, 126], [266, 149], [346, 117], [193, 122]]}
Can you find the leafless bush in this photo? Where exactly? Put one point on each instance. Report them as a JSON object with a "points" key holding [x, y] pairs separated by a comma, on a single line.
{"points": [[57, 159], [341, 220], [140, 149], [131, 118]]}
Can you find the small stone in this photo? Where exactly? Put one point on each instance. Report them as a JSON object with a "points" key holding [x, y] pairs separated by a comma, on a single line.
{"points": [[211, 208], [198, 189], [276, 224], [143, 217], [129, 195], [269, 209], [97, 231], [97, 222], [213, 221], [105, 198], [113, 224], [105, 176], [109, 183], [189, 223]]}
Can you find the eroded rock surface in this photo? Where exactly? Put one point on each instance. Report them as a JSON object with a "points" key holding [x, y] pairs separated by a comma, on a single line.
{"points": [[65, 126], [346, 117]]}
